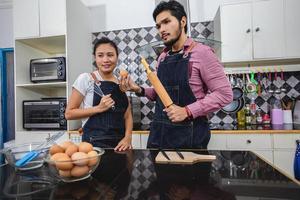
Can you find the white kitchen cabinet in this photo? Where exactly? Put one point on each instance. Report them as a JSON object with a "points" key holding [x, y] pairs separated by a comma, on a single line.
{"points": [[136, 140], [52, 17], [217, 142], [284, 151], [250, 31], [26, 18], [284, 161], [144, 140], [292, 27], [249, 142], [74, 43], [39, 18]]}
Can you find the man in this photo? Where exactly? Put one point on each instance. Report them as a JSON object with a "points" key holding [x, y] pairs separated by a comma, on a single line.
{"points": [[192, 76]]}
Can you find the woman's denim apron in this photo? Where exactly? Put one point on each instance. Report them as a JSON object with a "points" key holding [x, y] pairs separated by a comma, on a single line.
{"points": [[108, 128], [173, 72]]}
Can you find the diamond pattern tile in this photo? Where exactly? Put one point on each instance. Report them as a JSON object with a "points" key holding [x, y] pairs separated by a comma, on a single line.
{"points": [[128, 40]]}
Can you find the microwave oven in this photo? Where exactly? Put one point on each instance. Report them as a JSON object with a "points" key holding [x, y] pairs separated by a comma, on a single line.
{"points": [[48, 113], [48, 69]]}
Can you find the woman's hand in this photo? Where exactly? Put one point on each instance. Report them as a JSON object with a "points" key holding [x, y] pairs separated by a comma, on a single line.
{"points": [[106, 103], [124, 144], [127, 84]]}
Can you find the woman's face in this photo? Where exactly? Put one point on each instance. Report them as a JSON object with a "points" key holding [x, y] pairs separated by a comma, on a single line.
{"points": [[106, 58]]}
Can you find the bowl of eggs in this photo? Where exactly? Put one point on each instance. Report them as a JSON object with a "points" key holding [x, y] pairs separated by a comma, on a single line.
{"points": [[72, 162]]}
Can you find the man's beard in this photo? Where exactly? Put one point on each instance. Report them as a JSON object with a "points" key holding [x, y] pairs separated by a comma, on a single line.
{"points": [[171, 42]]}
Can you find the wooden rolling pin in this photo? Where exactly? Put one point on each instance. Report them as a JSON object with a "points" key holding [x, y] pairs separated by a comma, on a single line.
{"points": [[158, 87]]}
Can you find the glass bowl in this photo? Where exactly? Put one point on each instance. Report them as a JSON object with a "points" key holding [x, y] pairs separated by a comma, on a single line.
{"points": [[14, 153], [77, 170]]}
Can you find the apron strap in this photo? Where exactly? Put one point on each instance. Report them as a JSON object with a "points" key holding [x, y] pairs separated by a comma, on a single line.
{"points": [[189, 49], [95, 78]]}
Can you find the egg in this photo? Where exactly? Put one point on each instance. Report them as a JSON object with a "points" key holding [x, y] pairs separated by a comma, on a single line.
{"points": [[56, 149], [56, 156], [123, 73], [64, 163], [64, 173], [80, 158], [85, 147], [93, 158], [66, 144], [79, 171], [71, 150]]}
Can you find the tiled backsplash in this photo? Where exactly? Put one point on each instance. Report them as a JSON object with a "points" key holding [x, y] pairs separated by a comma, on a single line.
{"points": [[128, 40]]}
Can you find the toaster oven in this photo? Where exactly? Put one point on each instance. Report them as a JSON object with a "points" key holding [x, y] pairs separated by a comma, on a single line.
{"points": [[48, 69], [48, 113]]}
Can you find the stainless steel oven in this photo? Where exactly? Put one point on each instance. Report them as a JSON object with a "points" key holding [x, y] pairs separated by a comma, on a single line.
{"points": [[45, 114], [48, 69]]}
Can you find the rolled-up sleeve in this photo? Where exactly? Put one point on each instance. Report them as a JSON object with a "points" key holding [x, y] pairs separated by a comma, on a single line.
{"points": [[208, 83], [150, 93]]}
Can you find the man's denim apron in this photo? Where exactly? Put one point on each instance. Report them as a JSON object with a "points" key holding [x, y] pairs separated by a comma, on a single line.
{"points": [[108, 128], [173, 72]]}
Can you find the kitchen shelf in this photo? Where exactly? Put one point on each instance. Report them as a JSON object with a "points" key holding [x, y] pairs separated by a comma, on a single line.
{"points": [[43, 85], [50, 45]]}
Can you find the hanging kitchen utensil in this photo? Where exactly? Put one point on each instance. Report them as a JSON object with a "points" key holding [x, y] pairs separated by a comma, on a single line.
{"points": [[237, 89], [253, 78], [278, 90], [270, 90], [250, 86], [233, 107], [282, 81], [259, 84]]}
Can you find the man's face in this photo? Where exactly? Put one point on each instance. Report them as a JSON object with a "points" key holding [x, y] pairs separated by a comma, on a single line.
{"points": [[169, 27]]}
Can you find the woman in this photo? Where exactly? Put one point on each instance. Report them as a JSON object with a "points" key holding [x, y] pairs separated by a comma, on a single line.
{"points": [[105, 111]]}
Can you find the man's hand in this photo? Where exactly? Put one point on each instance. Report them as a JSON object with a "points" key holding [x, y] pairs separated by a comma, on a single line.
{"points": [[176, 113]]}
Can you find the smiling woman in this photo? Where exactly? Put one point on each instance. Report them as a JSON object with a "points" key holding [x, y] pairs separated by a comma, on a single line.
{"points": [[105, 112]]}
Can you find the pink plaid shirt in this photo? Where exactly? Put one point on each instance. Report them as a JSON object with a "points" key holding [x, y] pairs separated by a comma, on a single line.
{"points": [[207, 81]]}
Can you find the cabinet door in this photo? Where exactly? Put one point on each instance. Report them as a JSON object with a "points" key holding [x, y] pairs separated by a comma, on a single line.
{"points": [[26, 18], [52, 17], [136, 140], [268, 31], [217, 142], [292, 27], [284, 160], [249, 141], [236, 32], [144, 140]]}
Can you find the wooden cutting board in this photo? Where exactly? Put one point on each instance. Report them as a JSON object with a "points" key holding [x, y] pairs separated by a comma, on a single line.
{"points": [[189, 158]]}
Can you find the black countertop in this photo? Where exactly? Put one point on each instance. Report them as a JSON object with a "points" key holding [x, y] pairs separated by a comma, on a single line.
{"points": [[233, 175]]}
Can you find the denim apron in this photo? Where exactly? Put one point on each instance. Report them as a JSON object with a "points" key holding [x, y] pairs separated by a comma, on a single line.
{"points": [[173, 72], [108, 128]]}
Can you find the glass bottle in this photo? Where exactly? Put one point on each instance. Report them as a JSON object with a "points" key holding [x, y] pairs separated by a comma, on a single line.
{"points": [[241, 117], [259, 116], [253, 110], [248, 114]]}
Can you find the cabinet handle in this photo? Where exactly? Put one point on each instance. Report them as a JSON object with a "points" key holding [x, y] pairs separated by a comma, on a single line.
{"points": [[257, 29], [249, 141], [248, 30]]}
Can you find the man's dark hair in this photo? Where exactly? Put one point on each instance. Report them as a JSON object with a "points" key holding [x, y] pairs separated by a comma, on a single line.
{"points": [[105, 40], [175, 8]]}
